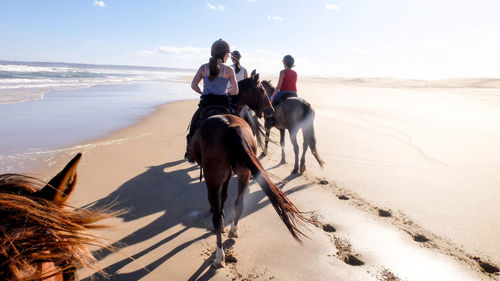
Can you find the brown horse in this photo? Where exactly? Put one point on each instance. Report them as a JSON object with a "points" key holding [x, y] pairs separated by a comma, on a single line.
{"points": [[293, 114], [39, 238], [253, 96], [225, 144]]}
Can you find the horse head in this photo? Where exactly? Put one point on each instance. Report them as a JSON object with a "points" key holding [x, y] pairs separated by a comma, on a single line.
{"points": [[254, 95], [43, 240], [268, 86]]}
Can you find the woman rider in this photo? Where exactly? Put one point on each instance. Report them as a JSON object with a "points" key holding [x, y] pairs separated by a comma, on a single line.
{"points": [[216, 76], [240, 71], [287, 83]]}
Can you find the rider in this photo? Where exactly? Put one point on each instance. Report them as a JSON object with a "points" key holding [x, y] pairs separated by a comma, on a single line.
{"points": [[240, 71], [287, 83], [216, 76]]}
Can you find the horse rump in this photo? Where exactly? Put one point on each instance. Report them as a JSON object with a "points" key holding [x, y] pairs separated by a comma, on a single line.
{"points": [[308, 130]]}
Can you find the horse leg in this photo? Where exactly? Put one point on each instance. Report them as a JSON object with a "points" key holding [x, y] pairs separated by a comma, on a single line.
{"points": [[282, 144], [243, 179], [217, 220], [293, 138], [223, 195], [305, 146], [266, 142]]}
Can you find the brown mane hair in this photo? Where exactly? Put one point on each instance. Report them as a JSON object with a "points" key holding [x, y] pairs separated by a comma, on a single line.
{"points": [[34, 230], [268, 86]]}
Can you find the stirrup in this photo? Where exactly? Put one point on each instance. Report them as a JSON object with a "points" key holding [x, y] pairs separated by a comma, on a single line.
{"points": [[187, 157]]}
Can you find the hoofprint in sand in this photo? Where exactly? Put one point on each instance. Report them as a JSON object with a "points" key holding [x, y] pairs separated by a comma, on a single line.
{"points": [[356, 236]]}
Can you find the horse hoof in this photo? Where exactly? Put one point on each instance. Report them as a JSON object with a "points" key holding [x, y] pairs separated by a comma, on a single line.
{"points": [[295, 171], [302, 169], [218, 265], [233, 234], [219, 259], [283, 162]]}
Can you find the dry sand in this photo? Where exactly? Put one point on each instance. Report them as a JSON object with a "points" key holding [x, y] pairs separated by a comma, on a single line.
{"points": [[365, 229]]}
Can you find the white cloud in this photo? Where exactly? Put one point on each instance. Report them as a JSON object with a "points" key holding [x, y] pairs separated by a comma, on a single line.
{"points": [[178, 52], [360, 51], [388, 45], [332, 7], [276, 18], [267, 53], [439, 42], [147, 53], [183, 50], [99, 4], [214, 7]]}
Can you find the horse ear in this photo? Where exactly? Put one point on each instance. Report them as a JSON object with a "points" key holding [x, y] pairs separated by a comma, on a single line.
{"points": [[254, 72], [256, 77], [60, 187]]}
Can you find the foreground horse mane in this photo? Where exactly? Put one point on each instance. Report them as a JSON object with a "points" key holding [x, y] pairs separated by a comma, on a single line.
{"points": [[34, 230]]}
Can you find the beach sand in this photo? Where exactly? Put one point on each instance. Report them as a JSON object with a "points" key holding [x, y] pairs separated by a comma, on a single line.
{"points": [[394, 201]]}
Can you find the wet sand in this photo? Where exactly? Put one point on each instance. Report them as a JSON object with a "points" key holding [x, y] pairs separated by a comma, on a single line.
{"points": [[409, 192]]}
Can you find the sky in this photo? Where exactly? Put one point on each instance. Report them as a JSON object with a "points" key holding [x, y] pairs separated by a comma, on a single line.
{"points": [[430, 39]]}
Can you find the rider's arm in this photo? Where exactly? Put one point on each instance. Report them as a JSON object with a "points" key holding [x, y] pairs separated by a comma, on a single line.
{"points": [[245, 74], [196, 80], [233, 91], [280, 82]]}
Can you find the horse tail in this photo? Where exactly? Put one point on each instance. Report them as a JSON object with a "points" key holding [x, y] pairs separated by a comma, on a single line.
{"points": [[308, 131], [241, 152]]}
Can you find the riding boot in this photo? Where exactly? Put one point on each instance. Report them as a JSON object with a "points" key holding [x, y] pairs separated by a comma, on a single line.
{"points": [[192, 129], [187, 156]]}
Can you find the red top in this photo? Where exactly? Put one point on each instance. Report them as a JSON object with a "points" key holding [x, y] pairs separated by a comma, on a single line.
{"points": [[289, 81]]}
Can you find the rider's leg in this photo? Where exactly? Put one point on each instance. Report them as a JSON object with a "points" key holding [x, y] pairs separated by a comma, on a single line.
{"points": [[192, 129]]}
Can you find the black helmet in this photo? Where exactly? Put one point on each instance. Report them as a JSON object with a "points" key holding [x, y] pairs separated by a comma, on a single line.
{"points": [[220, 47], [288, 60], [236, 55]]}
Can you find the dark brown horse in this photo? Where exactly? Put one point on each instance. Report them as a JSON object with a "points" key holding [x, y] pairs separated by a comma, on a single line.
{"points": [[253, 96], [225, 144], [40, 239], [293, 114]]}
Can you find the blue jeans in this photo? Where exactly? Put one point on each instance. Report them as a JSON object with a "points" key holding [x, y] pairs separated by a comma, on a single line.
{"points": [[278, 96]]}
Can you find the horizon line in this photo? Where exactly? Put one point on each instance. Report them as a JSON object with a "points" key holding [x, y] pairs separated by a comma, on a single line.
{"points": [[2, 61]]}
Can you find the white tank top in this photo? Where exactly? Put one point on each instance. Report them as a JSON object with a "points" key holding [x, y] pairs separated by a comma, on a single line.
{"points": [[239, 76]]}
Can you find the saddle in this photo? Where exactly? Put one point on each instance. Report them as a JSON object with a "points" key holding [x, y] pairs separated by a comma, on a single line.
{"points": [[209, 105], [284, 97], [211, 110]]}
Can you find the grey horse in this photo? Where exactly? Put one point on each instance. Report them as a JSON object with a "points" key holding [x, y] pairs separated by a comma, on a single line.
{"points": [[292, 114]]}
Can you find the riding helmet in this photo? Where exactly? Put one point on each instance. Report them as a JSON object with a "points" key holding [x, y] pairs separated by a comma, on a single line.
{"points": [[220, 47], [289, 60], [236, 55]]}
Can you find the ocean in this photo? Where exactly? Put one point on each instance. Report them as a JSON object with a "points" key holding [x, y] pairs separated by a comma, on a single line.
{"points": [[48, 107]]}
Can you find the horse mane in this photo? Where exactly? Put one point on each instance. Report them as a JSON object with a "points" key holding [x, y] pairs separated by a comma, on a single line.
{"points": [[267, 84], [245, 83], [34, 230]]}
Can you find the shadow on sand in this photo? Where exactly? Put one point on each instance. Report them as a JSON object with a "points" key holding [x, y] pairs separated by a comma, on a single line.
{"points": [[182, 200]]}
